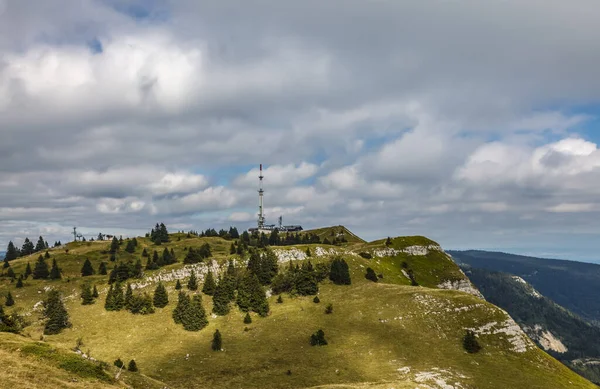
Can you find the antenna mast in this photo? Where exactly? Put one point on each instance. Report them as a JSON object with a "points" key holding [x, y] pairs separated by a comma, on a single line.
{"points": [[261, 216], [74, 234]]}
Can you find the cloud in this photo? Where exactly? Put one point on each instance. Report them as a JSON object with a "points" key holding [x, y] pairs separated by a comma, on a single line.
{"points": [[450, 126]]}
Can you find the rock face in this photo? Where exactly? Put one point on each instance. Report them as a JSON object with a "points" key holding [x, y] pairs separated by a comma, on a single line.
{"points": [[410, 250], [201, 269], [518, 339], [545, 338], [462, 285]]}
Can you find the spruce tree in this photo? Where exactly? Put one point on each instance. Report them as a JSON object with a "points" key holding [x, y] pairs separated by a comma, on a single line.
{"points": [[47, 255], [56, 313], [161, 298], [194, 318], [340, 273], [144, 253], [9, 300], [20, 281], [157, 259], [55, 271], [183, 304], [318, 339], [11, 273], [140, 304], [232, 249], [95, 292], [217, 342], [130, 247], [40, 270], [247, 318], [87, 298], [193, 282], [209, 286], [251, 295], [177, 285], [316, 300], [118, 300], [132, 366], [41, 245], [109, 303], [27, 270], [87, 269], [114, 245], [11, 252], [128, 296], [6, 263], [102, 268], [221, 299], [371, 275], [27, 248]]}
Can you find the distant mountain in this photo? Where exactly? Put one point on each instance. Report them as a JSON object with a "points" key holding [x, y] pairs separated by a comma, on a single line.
{"points": [[561, 333], [573, 285]]}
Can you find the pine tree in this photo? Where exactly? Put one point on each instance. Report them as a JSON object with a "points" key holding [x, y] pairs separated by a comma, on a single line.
{"points": [[11, 252], [140, 304], [130, 247], [114, 299], [247, 318], [388, 241], [194, 318], [157, 259], [9, 300], [161, 297], [318, 339], [87, 298], [217, 342], [183, 304], [40, 270], [209, 286], [55, 271], [144, 253], [47, 255], [56, 313], [27, 270], [316, 300], [41, 245], [109, 303], [470, 342], [87, 269], [137, 269], [371, 275], [20, 282], [102, 268], [95, 292], [11, 273], [177, 285], [6, 264], [251, 295], [166, 257], [132, 366], [193, 282], [269, 266], [128, 296], [232, 249]]}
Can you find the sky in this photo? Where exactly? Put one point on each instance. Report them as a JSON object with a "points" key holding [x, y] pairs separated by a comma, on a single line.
{"points": [[473, 123]]}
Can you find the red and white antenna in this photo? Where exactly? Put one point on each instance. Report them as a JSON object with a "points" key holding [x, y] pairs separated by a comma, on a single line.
{"points": [[261, 215]]}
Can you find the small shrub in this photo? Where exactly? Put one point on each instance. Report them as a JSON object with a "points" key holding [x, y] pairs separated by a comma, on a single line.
{"points": [[371, 275], [217, 341], [329, 309], [470, 343], [279, 300], [132, 366], [365, 255], [247, 318], [118, 363], [316, 300], [318, 339]]}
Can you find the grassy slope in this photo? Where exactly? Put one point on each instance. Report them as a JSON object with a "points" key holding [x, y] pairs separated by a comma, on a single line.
{"points": [[362, 348]]}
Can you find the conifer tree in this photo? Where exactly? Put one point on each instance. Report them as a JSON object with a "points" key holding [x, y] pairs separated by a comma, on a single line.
{"points": [[221, 299], [27, 248], [161, 298], [40, 270], [279, 300], [137, 269], [177, 285], [166, 257], [329, 309], [388, 241], [371, 275], [157, 259], [232, 249], [209, 286], [316, 300], [20, 281], [41, 245], [9, 300], [87, 269], [55, 271], [95, 292], [109, 303], [130, 247], [308, 253], [318, 339], [144, 253], [140, 304], [114, 299], [6, 264], [118, 363], [47, 255], [132, 366], [87, 297], [56, 313], [11, 273], [114, 245], [128, 296], [247, 318], [193, 282], [27, 270], [251, 295], [194, 318], [102, 268], [183, 304], [217, 342], [340, 274], [11, 252]]}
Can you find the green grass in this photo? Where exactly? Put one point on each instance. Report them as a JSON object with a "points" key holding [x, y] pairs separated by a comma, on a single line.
{"points": [[368, 343]]}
